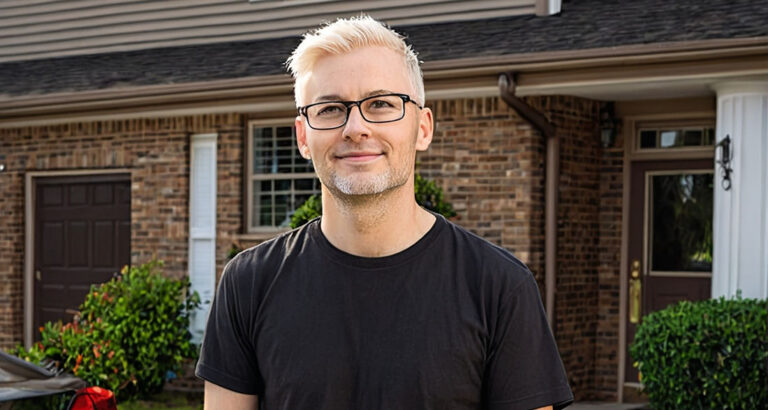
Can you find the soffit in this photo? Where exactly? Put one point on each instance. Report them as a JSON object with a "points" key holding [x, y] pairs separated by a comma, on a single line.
{"points": [[552, 58]]}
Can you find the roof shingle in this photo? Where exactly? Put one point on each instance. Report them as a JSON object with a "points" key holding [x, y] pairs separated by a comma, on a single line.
{"points": [[582, 24]]}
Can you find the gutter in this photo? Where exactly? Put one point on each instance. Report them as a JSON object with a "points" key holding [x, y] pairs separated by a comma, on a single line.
{"points": [[539, 73], [507, 88]]}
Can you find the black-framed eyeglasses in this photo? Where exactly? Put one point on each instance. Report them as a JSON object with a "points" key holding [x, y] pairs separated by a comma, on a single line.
{"points": [[328, 115]]}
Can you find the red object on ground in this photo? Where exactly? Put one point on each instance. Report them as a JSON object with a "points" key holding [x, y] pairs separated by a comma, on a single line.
{"points": [[93, 398]]}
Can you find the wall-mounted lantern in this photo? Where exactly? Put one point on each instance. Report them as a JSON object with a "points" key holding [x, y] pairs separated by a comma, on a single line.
{"points": [[726, 155], [608, 124]]}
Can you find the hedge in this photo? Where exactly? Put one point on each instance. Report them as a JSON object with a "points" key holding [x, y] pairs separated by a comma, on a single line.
{"points": [[705, 355]]}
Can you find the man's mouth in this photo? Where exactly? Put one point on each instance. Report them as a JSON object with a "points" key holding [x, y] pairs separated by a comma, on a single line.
{"points": [[360, 156]]}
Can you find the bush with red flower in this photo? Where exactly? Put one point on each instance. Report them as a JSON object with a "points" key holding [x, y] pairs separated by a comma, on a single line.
{"points": [[129, 333]]}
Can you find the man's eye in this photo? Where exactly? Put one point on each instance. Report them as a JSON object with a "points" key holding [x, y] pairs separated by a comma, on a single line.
{"points": [[330, 110], [379, 104]]}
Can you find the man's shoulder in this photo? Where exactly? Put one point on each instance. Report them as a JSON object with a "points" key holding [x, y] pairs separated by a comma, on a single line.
{"points": [[489, 258], [272, 252], [285, 242], [482, 247]]}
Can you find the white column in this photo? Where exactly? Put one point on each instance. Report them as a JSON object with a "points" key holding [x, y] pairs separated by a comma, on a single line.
{"points": [[202, 227], [740, 231]]}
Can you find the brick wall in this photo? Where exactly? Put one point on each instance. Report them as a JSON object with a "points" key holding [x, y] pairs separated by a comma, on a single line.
{"points": [[11, 250], [489, 163], [609, 264], [156, 151], [577, 235]]}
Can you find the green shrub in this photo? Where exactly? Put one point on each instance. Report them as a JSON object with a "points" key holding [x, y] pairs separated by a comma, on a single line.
{"points": [[233, 251], [427, 193], [430, 196], [309, 210], [130, 332], [705, 355]]}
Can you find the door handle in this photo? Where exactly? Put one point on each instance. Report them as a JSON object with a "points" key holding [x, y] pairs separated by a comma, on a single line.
{"points": [[37, 275], [635, 293]]}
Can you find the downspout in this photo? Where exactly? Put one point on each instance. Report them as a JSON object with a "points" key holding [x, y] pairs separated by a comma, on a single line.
{"points": [[539, 121]]}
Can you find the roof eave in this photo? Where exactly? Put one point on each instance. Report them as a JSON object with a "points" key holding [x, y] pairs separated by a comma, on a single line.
{"points": [[252, 93]]}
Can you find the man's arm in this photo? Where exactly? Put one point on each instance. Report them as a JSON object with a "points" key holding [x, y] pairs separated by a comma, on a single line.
{"points": [[545, 408], [217, 397], [525, 367]]}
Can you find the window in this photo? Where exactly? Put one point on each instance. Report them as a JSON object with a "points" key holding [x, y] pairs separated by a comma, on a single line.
{"points": [[675, 138], [279, 179]]}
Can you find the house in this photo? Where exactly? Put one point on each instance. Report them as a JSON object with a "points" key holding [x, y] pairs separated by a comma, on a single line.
{"points": [[620, 149]]}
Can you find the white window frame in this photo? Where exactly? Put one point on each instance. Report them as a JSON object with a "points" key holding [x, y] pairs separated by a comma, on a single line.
{"points": [[251, 177]]}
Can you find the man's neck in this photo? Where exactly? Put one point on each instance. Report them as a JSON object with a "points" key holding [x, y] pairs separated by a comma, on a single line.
{"points": [[375, 226]]}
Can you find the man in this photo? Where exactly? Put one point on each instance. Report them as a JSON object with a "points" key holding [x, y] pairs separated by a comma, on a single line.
{"points": [[378, 304]]}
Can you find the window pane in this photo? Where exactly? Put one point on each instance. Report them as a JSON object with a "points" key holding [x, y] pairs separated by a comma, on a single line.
{"points": [[681, 218], [262, 150], [283, 210], [262, 138], [285, 136], [303, 165], [647, 139], [709, 136], [285, 160], [283, 185], [670, 139], [264, 209], [307, 184], [692, 138]]}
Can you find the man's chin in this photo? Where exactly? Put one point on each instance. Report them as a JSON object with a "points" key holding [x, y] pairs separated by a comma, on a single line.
{"points": [[362, 188]]}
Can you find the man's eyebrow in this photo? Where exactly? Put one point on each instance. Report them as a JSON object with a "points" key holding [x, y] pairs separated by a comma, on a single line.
{"points": [[378, 92], [336, 97], [330, 97]]}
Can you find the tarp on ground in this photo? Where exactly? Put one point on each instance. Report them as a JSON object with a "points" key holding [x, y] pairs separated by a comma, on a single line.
{"points": [[20, 379]]}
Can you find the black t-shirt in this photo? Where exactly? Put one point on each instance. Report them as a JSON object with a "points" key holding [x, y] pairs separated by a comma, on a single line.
{"points": [[452, 322]]}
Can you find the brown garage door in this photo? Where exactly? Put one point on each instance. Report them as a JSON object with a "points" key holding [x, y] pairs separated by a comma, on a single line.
{"points": [[82, 236]]}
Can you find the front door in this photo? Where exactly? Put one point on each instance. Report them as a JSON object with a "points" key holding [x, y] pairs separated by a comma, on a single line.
{"points": [[670, 238], [82, 236]]}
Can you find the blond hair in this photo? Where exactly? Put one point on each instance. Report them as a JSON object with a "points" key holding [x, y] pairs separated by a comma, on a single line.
{"points": [[345, 35]]}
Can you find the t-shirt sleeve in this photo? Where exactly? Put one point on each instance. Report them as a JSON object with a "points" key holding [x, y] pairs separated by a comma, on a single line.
{"points": [[227, 354], [524, 369]]}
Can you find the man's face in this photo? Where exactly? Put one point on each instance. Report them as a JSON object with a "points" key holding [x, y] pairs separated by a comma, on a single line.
{"points": [[362, 158]]}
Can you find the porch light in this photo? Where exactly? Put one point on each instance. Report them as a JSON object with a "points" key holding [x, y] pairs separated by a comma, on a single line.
{"points": [[725, 161], [608, 124]]}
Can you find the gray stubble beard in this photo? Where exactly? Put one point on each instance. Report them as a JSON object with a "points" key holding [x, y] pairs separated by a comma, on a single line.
{"points": [[350, 190]]}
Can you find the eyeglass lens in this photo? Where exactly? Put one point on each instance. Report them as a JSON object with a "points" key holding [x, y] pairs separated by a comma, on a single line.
{"points": [[385, 108]]}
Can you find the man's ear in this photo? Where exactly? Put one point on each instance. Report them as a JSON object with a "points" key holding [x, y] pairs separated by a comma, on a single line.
{"points": [[301, 137], [426, 129]]}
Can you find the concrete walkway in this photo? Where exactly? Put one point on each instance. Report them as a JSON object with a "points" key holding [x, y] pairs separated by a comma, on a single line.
{"points": [[606, 406]]}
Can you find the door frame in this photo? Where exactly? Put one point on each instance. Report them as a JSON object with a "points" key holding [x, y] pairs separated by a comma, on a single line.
{"points": [[637, 113], [30, 184]]}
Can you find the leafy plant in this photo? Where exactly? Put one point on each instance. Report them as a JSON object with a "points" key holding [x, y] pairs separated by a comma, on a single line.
{"points": [[130, 332], [427, 193], [309, 210], [706, 354], [233, 251], [430, 196]]}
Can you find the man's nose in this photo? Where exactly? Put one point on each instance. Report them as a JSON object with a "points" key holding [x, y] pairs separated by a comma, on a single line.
{"points": [[357, 127]]}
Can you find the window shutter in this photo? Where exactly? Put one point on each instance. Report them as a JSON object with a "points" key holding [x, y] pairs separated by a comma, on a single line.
{"points": [[202, 227]]}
